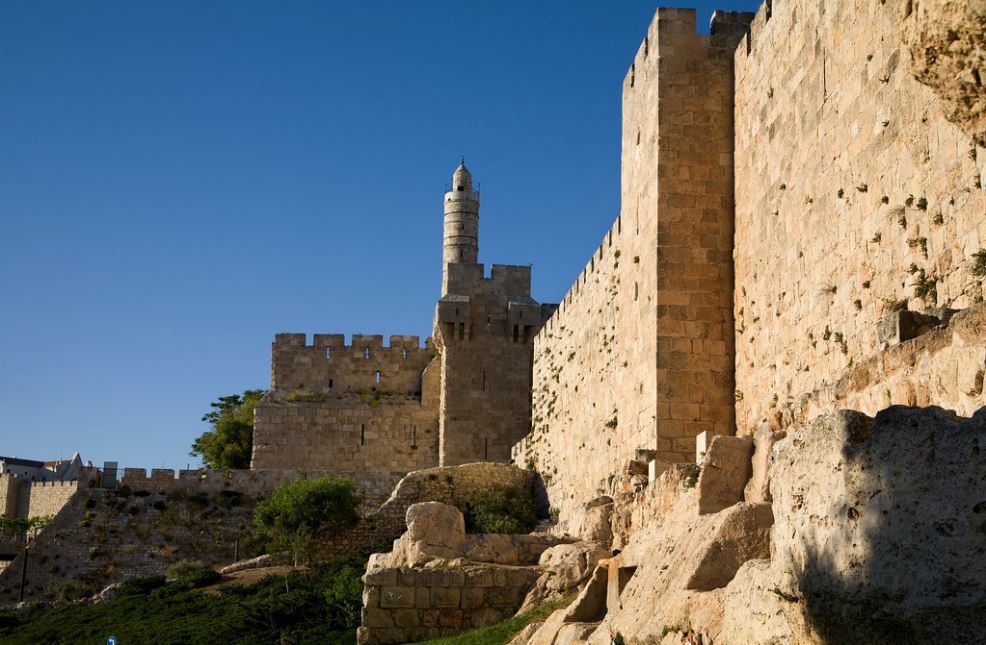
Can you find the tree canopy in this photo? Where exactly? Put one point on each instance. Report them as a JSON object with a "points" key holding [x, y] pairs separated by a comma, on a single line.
{"points": [[230, 442]]}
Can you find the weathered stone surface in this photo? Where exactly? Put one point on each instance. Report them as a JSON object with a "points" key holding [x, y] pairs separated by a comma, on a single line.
{"points": [[725, 471], [754, 612], [947, 42], [758, 488], [879, 525], [436, 524], [566, 567], [596, 521], [742, 534]]}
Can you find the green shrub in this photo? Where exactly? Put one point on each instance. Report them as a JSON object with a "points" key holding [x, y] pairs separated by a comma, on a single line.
{"points": [[298, 510], [141, 586], [508, 511]]}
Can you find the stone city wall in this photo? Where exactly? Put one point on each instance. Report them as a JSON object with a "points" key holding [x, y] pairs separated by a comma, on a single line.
{"points": [[9, 486], [639, 353], [329, 365], [48, 498], [347, 432], [854, 197], [409, 605], [375, 487]]}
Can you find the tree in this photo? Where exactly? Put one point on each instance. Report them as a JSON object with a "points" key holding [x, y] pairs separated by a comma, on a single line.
{"points": [[230, 442], [300, 509]]}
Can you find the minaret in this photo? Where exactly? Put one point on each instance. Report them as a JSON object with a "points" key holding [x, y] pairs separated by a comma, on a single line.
{"points": [[461, 243]]}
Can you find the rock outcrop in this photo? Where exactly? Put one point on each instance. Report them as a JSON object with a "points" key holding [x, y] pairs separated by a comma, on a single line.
{"points": [[947, 40]]}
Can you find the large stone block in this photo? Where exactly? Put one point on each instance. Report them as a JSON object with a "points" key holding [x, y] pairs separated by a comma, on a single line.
{"points": [[725, 471]]}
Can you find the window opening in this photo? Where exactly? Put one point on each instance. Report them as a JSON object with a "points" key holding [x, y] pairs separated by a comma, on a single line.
{"points": [[377, 376], [362, 434], [328, 353], [404, 354], [366, 353]]}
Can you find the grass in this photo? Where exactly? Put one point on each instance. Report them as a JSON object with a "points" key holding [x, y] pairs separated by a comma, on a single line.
{"points": [[320, 606], [504, 631]]}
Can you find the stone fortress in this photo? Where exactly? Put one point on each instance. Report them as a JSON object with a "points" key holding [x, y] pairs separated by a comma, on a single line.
{"points": [[374, 410], [801, 246]]}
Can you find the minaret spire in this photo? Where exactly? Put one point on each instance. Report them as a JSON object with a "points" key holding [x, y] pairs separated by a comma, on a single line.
{"points": [[461, 232]]}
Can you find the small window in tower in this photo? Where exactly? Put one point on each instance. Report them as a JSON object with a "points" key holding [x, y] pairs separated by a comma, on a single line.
{"points": [[404, 354], [328, 353], [484, 381], [330, 384], [486, 449], [377, 376], [414, 436], [461, 188], [362, 434], [366, 353]]}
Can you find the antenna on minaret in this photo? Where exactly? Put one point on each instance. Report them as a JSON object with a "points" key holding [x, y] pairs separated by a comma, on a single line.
{"points": [[462, 159]]}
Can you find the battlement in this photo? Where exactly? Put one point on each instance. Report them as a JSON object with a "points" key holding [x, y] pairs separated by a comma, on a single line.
{"points": [[359, 341], [504, 279]]}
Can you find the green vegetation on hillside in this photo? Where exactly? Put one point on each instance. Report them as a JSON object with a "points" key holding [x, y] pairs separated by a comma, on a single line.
{"points": [[229, 444], [499, 511], [318, 605], [504, 632], [300, 509]]}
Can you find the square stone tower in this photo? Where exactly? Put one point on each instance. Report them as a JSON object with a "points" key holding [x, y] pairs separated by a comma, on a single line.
{"points": [[484, 333]]}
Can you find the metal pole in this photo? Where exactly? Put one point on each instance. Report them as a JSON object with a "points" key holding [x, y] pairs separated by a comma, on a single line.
{"points": [[20, 597]]}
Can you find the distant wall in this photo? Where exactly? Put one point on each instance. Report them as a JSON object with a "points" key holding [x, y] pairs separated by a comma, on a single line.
{"points": [[374, 487], [854, 195], [48, 498], [9, 487], [329, 365]]}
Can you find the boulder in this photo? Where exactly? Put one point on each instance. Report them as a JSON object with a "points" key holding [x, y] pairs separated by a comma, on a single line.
{"points": [[742, 534], [881, 526], [726, 468], [595, 526], [566, 566]]}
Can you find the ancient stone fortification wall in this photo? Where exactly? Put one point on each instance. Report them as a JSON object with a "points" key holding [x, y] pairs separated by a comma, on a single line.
{"points": [[408, 605], [854, 196], [484, 328], [362, 408], [659, 285], [48, 498], [366, 435], [375, 488], [9, 485], [329, 365]]}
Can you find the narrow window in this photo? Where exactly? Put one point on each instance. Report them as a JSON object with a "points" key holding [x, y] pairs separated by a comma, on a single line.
{"points": [[634, 290], [330, 384], [484, 381], [404, 354], [486, 449], [462, 330], [362, 434], [378, 376], [488, 320], [516, 333], [366, 353], [328, 353], [461, 188], [414, 436]]}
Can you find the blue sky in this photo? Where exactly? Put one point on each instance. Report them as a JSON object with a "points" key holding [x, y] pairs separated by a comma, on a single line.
{"points": [[181, 180]]}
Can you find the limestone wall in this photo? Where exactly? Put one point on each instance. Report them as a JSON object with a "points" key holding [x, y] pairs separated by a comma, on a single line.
{"points": [[854, 196], [409, 605], [639, 353], [375, 488], [329, 365], [48, 498], [389, 434], [9, 485]]}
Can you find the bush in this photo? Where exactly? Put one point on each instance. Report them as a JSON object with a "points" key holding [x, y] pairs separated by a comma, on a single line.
{"points": [[510, 511], [141, 586], [302, 508], [124, 491]]}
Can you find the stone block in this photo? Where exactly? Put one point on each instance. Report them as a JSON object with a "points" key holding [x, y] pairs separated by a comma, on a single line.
{"points": [[903, 325], [381, 577], [758, 488], [743, 535], [725, 471], [397, 597], [406, 618], [472, 598], [450, 618], [422, 598], [702, 442], [478, 578], [375, 617], [445, 597]]}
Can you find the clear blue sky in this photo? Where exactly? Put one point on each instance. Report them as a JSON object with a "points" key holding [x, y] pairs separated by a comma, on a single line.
{"points": [[181, 180]]}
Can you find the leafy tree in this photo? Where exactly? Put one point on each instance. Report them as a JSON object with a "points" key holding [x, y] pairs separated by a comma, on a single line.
{"points": [[300, 509], [230, 442]]}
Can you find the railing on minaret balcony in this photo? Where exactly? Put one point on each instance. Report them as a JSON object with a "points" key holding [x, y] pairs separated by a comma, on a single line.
{"points": [[448, 187]]}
